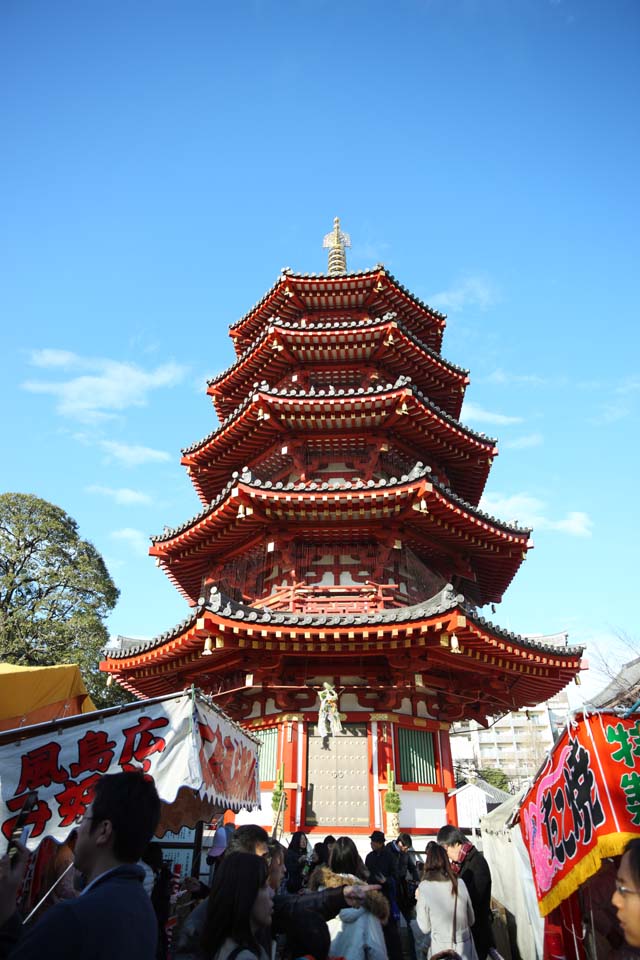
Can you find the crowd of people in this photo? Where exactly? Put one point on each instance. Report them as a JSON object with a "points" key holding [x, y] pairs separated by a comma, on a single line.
{"points": [[264, 901]]}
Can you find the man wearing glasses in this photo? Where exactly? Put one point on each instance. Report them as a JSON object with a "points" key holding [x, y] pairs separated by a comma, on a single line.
{"points": [[626, 896], [113, 916]]}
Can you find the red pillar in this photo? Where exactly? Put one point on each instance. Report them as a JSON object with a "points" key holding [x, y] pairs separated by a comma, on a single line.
{"points": [[447, 775], [289, 758]]}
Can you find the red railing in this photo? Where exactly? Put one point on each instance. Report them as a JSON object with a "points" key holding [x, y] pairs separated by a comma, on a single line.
{"points": [[358, 598]]}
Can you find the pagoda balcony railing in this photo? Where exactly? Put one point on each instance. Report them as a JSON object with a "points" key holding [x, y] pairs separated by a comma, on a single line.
{"points": [[357, 598]]}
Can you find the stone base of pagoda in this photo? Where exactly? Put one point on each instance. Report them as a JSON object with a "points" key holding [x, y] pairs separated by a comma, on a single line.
{"points": [[338, 784]]}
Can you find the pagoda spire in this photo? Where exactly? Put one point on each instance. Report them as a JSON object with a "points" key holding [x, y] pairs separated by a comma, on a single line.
{"points": [[337, 242]]}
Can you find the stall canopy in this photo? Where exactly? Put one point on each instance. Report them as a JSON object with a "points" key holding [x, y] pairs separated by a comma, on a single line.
{"points": [[584, 804], [35, 694], [200, 760]]}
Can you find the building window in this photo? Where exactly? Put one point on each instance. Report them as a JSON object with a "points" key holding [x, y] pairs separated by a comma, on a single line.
{"points": [[417, 758], [268, 753]]}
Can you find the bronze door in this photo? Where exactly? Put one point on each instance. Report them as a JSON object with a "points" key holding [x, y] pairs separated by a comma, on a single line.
{"points": [[338, 778]]}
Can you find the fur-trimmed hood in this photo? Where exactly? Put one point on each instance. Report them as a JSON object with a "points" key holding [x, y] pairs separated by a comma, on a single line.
{"points": [[377, 904]]}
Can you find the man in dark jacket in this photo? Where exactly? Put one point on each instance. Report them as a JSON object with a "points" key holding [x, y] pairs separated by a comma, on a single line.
{"points": [[381, 866], [469, 864], [113, 916], [405, 875]]}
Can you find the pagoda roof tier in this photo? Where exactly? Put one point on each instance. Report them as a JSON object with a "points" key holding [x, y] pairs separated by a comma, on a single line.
{"points": [[436, 523], [377, 291], [399, 409], [440, 649], [286, 346]]}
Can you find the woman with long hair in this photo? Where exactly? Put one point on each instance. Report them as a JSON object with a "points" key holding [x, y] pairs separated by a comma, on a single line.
{"points": [[444, 910], [240, 909], [626, 896], [295, 860], [319, 856], [345, 859], [356, 933]]}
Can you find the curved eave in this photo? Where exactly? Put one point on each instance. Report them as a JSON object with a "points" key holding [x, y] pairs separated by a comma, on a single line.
{"points": [[481, 551], [375, 290], [505, 670], [464, 453], [382, 341], [355, 512]]}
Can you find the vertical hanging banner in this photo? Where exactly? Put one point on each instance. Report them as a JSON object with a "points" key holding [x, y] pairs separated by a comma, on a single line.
{"points": [[584, 804], [179, 742]]}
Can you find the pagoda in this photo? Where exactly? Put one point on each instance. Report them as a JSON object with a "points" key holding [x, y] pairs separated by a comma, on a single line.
{"points": [[340, 549]]}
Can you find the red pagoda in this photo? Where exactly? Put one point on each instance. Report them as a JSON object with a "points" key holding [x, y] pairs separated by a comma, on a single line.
{"points": [[340, 558]]}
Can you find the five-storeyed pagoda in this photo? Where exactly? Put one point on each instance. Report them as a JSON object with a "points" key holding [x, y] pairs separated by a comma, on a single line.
{"points": [[340, 542]]}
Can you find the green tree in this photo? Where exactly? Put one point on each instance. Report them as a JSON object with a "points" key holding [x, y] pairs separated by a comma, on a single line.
{"points": [[497, 778], [55, 592]]}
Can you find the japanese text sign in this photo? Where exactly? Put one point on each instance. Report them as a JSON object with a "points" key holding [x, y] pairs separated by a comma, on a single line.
{"points": [[178, 742], [584, 805]]}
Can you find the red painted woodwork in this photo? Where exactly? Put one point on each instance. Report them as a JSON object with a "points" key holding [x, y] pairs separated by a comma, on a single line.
{"points": [[340, 536]]}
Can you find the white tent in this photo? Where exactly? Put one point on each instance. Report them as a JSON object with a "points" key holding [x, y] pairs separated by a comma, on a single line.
{"points": [[512, 880]]}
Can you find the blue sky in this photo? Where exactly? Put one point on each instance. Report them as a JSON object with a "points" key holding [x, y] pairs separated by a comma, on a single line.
{"points": [[161, 162]]}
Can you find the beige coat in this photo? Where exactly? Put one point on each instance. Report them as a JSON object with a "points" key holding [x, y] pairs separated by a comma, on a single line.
{"points": [[435, 913]]}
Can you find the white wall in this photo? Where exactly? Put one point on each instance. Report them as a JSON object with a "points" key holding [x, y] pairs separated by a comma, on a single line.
{"points": [[422, 809]]}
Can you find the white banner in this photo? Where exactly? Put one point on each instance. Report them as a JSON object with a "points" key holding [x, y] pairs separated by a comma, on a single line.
{"points": [[178, 742]]}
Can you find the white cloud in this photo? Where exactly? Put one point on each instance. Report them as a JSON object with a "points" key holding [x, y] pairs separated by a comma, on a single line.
{"points": [[135, 539], [121, 495], [577, 523], [55, 358], [133, 455], [525, 442], [611, 412], [500, 376], [472, 291], [102, 387], [629, 385], [621, 403], [531, 512], [474, 413]]}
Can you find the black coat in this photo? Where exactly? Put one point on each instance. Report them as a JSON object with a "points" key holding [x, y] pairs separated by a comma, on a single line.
{"points": [[475, 872], [114, 918], [405, 873], [294, 861], [381, 867]]}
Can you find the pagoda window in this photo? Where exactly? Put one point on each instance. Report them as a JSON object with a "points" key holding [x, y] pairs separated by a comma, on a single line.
{"points": [[346, 579], [417, 756], [340, 379], [268, 753]]}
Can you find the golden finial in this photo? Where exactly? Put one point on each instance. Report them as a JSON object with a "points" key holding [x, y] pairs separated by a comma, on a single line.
{"points": [[337, 242]]}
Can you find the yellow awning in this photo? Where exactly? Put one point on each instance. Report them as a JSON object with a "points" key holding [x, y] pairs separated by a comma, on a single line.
{"points": [[36, 694]]}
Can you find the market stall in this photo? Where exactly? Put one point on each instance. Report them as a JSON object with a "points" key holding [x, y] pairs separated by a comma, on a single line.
{"points": [[201, 762], [31, 695], [583, 808]]}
